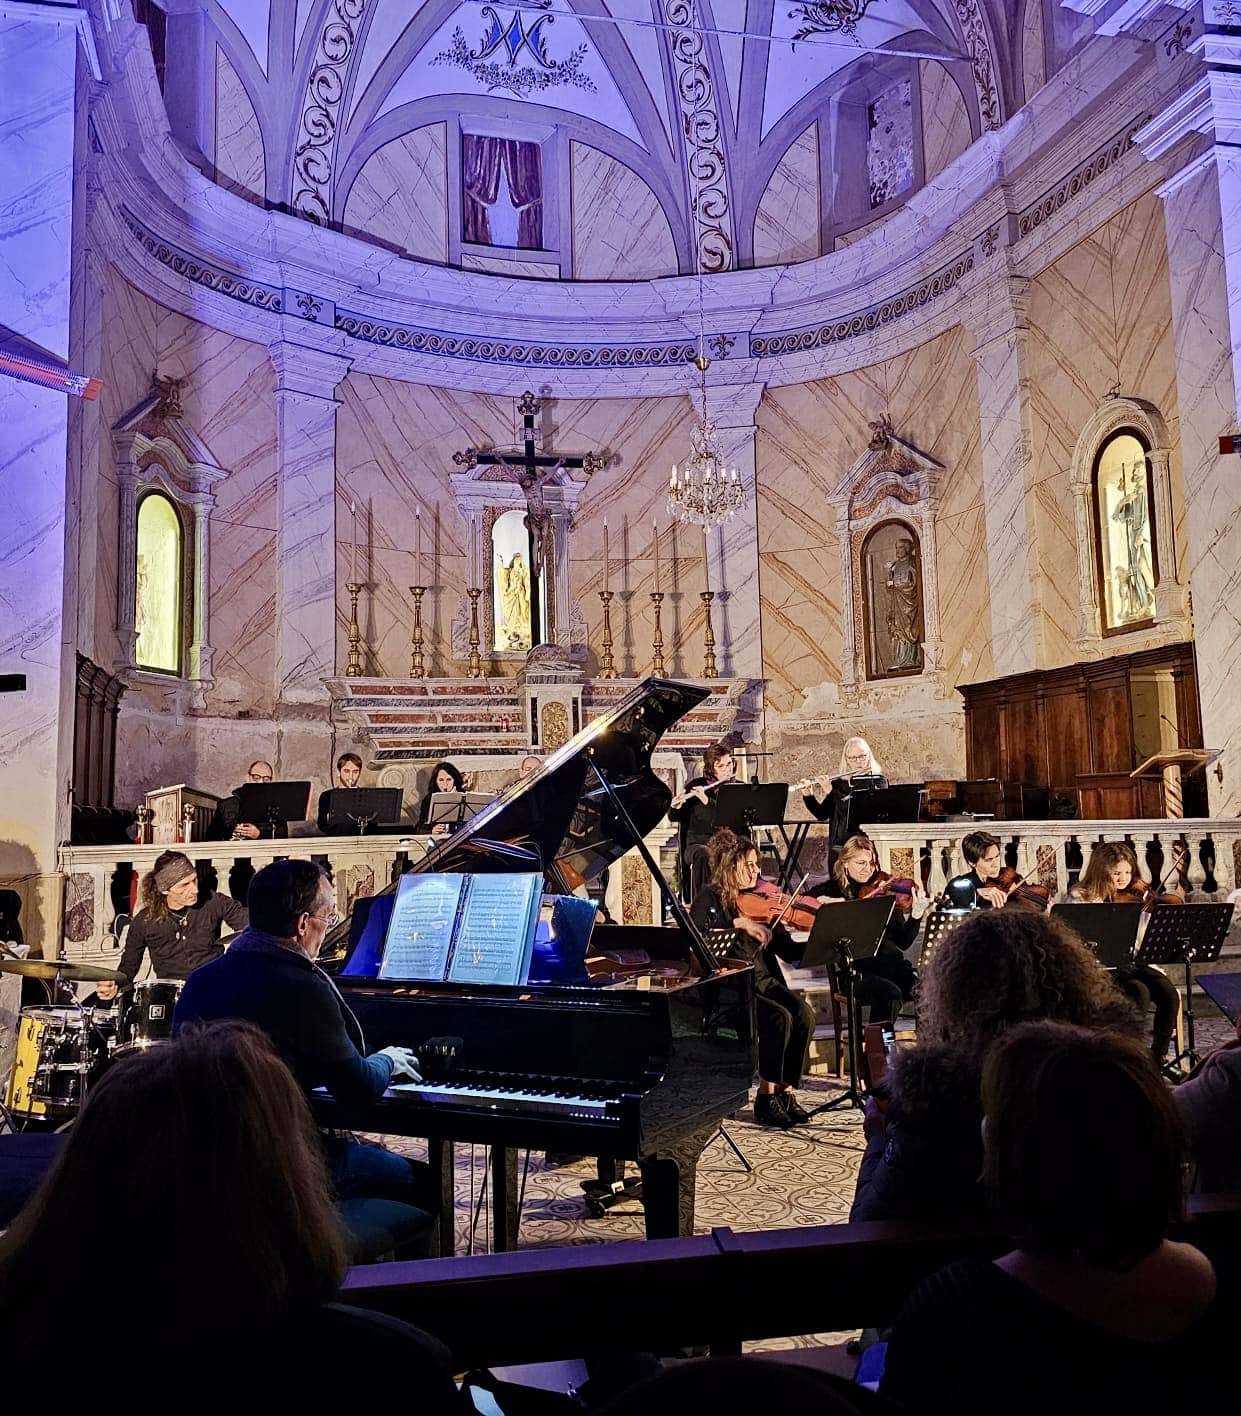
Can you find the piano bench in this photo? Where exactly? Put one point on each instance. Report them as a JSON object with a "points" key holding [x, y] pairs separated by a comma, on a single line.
{"points": [[377, 1230]]}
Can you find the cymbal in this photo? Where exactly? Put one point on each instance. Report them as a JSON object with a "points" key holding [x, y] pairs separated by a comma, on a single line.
{"points": [[49, 968]]}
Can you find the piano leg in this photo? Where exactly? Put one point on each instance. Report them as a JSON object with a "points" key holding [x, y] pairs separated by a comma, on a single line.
{"points": [[443, 1177], [505, 1216], [668, 1180]]}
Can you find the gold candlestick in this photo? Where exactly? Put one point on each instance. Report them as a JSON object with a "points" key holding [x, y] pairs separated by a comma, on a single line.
{"points": [[607, 669], [353, 669], [657, 640], [415, 661], [708, 663], [475, 667]]}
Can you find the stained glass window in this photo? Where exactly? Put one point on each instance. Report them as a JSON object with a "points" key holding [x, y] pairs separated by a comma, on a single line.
{"points": [[890, 143], [160, 585], [1124, 535]]}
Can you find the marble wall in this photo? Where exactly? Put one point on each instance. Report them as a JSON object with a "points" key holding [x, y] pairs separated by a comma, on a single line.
{"points": [[239, 164], [400, 197], [787, 225], [1100, 316], [945, 119], [620, 231]]}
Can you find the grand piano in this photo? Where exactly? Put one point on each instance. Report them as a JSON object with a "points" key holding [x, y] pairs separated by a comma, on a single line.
{"points": [[640, 1061]]}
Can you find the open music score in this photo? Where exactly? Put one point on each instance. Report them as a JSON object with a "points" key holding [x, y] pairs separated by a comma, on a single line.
{"points": [[453, 928]]}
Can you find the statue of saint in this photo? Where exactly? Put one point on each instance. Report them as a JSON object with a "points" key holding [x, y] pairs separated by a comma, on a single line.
{"points": [[513, 583], [1135, 579], [904, 617]]}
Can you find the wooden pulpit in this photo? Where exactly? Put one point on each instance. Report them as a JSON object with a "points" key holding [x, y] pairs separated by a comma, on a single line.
{"points": [[1170, 768]]}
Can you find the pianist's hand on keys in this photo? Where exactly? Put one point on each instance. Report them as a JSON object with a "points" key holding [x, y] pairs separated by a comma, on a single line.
{"points": [[404, 1062]]}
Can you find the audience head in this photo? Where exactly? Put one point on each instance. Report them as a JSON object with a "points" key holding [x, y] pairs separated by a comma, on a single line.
{"points": [[446, 778], [292, 900], [1003, 967], [740, 1386], [1111, 867], [208, 1144], [856, 757], [856, 861], [717, 762], [260, 771], [732, 865], [171, 884], [1083, 1143], [349, 769]]}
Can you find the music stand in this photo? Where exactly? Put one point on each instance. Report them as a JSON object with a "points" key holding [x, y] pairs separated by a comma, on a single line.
{"points": [[938, 923], [841, 935], [1185, 935], [360, 807], [456, 808], [1110, 932], [742, 806], [267, 804], [882, 806]]}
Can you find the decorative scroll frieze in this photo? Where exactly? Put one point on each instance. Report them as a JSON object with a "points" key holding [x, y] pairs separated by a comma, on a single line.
{"points": [[313, 156], [704, 146], [1078, 180], [250, 292]]}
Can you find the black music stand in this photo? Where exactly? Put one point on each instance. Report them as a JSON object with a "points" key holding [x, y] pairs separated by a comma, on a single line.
{"points": [[267, 804], [938, 923], [1185, 935], [360, 808], [841, 935], [741, 807], [883, 806], [1110, 932], [454, 809]]}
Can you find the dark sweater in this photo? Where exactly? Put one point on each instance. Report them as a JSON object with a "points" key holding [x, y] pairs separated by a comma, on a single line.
{"points": [[281, 991], [697, 822], [971, 1339], [177, 948]]}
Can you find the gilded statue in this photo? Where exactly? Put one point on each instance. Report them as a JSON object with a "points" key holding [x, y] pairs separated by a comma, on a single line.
{"points": [[904, 610], [513, 583]]}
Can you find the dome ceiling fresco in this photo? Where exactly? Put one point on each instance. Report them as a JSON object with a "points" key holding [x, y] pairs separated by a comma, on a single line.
{"points": [[701, 99]]}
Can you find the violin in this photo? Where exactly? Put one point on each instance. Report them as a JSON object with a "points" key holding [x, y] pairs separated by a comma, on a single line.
{"points": [[766, 904], [1141, 892], [881, 883], [1020, 891]]}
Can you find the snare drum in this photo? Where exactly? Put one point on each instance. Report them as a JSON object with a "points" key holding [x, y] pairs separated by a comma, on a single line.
{"points": [[58, 1055], [148, 1019]]}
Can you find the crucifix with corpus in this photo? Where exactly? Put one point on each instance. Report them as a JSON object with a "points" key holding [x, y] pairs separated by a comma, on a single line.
{"points": [[534, 473]]}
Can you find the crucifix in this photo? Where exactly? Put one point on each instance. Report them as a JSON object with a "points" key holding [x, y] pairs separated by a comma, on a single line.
{"points": [[532, 471]]}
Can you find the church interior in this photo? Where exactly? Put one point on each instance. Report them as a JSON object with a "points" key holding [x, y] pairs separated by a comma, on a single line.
{"points": [[430, 426]]}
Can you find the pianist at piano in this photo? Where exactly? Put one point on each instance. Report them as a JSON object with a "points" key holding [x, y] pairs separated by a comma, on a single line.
{"points": [[269, 977]]}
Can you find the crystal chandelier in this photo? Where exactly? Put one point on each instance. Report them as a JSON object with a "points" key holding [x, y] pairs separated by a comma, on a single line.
{"points": [[703, 492]]}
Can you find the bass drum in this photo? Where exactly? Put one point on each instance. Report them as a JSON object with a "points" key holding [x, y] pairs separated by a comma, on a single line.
{"points": [[59, 1054], [148, 1019]]}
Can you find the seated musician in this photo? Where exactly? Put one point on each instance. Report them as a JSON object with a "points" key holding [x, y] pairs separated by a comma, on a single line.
{"points": [[856, 876], [694, 812], [174, 926], [269, 977], [226, 827], [785, 1020], [444, 778], [976, 889], [828, 797], [1111, 877]]}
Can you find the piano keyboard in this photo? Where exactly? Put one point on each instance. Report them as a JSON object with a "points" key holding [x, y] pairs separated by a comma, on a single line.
{"points": [[557, 1096]]}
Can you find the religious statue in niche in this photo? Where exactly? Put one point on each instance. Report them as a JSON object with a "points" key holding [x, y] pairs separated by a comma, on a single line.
{"points": [[513, 625], [892, 595], [1123, 527]]}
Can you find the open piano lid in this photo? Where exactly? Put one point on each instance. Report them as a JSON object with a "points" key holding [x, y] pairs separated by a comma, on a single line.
{"points": [[560, 812]]}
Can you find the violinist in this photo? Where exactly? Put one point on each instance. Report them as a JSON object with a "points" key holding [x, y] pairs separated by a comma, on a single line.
{"points": [[827, 798], [693, 809], [887, 980], [979, 887], [785, 1021], [1111, 878]]}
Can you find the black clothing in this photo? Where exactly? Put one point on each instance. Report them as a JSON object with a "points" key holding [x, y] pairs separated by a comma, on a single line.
{"points": [[962, 892], [227, 813], [1149, 987], [887, 980], [281, 991], [180, 942], [697, 822], [834, 807], [424, 808], [971, 1339], [784, 1019]]}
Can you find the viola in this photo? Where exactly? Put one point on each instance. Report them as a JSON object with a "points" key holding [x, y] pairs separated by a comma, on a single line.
{"points": [[899, 887], [766, 904], [1021, 891], [1139, 892]]}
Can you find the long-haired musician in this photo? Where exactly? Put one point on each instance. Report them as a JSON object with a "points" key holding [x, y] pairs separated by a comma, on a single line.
{"points": [[826, 798], [693, 809]]}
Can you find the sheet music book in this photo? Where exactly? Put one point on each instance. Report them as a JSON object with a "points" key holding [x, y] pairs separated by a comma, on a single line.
{"points": [[462, 928]]}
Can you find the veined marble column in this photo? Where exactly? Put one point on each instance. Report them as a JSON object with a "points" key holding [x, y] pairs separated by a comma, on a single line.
{"points": [[1202, 216], [41, 86], [732, 549], [306, 381], [998, 322]]}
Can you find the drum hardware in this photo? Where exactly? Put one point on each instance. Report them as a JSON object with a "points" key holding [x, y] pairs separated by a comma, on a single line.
{"points": [[148, 1019]]}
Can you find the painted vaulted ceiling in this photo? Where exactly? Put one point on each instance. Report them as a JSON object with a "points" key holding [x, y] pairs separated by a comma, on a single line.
{"points": [[701, 98]]}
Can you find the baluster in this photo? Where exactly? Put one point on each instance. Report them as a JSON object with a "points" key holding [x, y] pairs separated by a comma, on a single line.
{"points": [[1206, 859], [1072, 860], [1025, 856]]}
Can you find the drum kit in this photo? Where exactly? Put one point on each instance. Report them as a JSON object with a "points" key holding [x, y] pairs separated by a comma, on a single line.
{"points": [[63, 1048]]}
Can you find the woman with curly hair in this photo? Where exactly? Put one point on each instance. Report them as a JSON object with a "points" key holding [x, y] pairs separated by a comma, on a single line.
{"points": [[785, 1021], [997, 969]]}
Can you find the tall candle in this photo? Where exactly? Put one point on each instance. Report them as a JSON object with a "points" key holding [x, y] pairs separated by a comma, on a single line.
{"points": [[471, 552], [606, 576], [353, 558], [706, 561], [655, 530], [418, 546]]}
